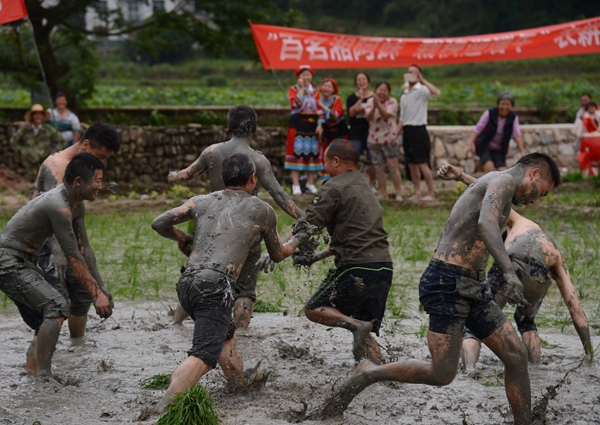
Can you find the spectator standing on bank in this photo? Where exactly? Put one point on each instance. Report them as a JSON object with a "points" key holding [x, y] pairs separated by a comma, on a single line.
{"points": [[493, 132], [584, 99], [36, 140], [413, 120], [332, 123], [382, 112], [590, 119], [303, 153], [64, 120], [359, 126]]}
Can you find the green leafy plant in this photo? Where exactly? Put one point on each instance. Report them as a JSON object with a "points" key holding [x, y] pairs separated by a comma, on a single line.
{"points": [[156, 382], [191, 407]]}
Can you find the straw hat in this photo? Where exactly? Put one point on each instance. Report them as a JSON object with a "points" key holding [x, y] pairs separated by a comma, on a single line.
{"points": [[304, 68], [37, 108]]}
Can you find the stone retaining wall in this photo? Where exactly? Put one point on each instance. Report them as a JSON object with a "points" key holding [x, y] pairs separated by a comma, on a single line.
{"points": [[149, 153]]}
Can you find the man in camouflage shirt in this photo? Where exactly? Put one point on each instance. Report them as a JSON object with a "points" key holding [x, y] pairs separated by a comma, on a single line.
{"points": [[36, 140]]}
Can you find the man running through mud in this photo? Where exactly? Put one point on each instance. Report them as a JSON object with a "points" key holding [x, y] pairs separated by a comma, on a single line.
{"points": [[453, 292], [242, 125], [228, 224], [58, 212], [102, 141], [536, 260], [352, 296]]}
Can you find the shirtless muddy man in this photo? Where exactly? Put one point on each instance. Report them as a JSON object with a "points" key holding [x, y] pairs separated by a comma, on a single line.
{"points": [[453, 292]]}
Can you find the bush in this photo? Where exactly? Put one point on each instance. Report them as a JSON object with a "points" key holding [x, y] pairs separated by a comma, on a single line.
{"points": [[216, 80], [545, 99]]}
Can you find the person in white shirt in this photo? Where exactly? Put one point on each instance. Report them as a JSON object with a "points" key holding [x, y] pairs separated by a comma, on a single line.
{"points": [[64, 120], [413, 120]]}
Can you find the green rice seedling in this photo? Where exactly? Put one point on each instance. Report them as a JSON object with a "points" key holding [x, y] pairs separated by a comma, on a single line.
{"points": [[266, 307], [547, 345], [494, 380], [191, 407], [156, 382], [4, 300], [422, 332]]}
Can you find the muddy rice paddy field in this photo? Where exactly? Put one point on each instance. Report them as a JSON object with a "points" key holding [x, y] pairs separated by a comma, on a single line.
{"points": [[99, 382]]}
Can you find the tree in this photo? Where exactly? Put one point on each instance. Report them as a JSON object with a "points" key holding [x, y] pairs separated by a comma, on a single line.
{"points": [[67, 48]]}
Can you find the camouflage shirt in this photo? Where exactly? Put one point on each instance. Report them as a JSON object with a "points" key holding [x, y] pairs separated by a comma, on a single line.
{"points": [[34, 148]]}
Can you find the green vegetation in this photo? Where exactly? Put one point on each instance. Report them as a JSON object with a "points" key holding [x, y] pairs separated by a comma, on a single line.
{"points": [[191, 407], [156, 382]]}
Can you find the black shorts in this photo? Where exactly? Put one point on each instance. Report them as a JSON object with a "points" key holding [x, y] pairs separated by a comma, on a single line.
{"points": [[206, 295], [357, 290], [454, 296], [416, 143], [75, 293], [22, 281], [497, 157]]}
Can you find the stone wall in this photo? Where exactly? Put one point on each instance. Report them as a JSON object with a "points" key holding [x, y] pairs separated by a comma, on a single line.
{"points": [[149, 153]]}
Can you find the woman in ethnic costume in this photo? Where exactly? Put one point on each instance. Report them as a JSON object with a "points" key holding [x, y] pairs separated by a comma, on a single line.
{"points": [[303, 152], [332, 124]]}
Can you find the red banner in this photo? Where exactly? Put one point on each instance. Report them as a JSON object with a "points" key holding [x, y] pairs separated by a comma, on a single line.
{"points": [[12, 10], [288, 48]]}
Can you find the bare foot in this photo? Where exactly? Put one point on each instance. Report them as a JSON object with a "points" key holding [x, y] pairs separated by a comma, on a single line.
{"points": [[361, 335], [415, 198], [253, 379], [166, 400], [360, 379], [428, 198]]}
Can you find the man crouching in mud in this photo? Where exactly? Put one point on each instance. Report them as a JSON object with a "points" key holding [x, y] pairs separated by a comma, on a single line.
{"points": [[453, 293], [58, 212], [535, 258], [228, 223], [352, 296], [242, 125]]}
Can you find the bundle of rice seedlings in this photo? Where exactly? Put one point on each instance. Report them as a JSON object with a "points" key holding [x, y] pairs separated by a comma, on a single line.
{"points": [[156, 382], [191, 407]]}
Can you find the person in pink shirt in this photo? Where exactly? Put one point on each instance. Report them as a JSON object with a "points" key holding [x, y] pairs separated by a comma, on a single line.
{"points": [[493, 132], [381, 111]]}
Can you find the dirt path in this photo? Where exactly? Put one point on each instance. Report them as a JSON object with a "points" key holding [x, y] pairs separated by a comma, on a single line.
{"points": [[100, 381]]}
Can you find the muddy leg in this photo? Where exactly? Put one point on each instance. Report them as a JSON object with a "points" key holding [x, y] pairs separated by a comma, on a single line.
{"points": [[242, 312], [531, 339], [470, 354], [44, 345], [329, 316], [32, 356], [187, 374], [179, 316], [77, 328], [445, 353], [232, 364], [415, 176], [506, 345], [372, 350]]}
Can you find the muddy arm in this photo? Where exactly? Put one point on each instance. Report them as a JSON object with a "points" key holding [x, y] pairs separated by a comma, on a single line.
{"points": [[269, 182], [279, 251], [61, 223], [497, 196], [450, 172], [165, 223], [197, 167], [560, 274]]}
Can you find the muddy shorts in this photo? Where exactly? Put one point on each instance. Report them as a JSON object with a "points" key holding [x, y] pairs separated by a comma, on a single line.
{"points": [[74, 292], [380, 153], [454, 296], [206, 295], [357, 290], [245, 286], [497, 157], [22, 281]]}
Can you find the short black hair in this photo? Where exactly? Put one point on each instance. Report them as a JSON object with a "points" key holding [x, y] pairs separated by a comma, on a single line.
{"points": [[545, 163], [101, 135], [384, 83], [416, 66], [61, 94], [242, 121], [361, 73], [587, 105], [236, 169], [506, 95], [343, 149], [82, 165], [585, 94]]}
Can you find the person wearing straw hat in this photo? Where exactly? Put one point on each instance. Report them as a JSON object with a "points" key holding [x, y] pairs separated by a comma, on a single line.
{"points": [[36, 140]]}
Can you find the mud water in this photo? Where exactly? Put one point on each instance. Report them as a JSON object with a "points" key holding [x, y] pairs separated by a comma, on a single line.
{"points": [[98, 382]]}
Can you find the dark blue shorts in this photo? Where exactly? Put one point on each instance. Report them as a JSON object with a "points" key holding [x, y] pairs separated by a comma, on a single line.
{"points": [[206, 295], [454, 296]]}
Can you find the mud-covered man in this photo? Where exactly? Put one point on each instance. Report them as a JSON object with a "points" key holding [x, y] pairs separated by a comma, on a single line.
{"points": [[353, 296], [453, 292], [242, 125], [536, 260], [102, 141], [57, 212], [228, 224]]}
